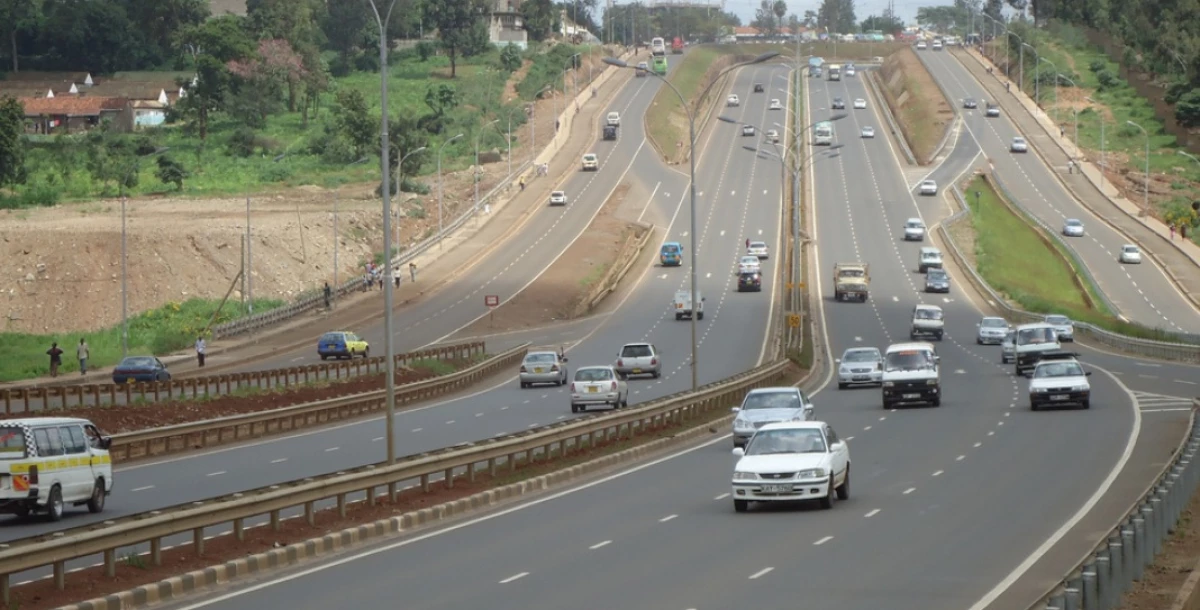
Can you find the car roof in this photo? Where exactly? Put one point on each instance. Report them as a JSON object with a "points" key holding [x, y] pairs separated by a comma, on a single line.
{"points": [[993, 318], [761, 243], [594, 366], [1074, 220], [1057, 355], [44, 421], [915, 220], [637, 343], [558, 192], [544, 351], [929, 181], [670, 243], [773, 390], [911, 345], [590, 155], [926, 306], [1128, 246], [1035, 325], [795, 425], [929, 250], [861, 349]]}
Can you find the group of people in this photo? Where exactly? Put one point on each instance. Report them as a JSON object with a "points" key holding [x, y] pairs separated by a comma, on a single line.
{"points": [[375, 276]]}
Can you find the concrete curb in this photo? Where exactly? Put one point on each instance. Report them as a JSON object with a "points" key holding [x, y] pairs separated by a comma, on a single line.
{"points": [[197, 580], [875, 89], [626, 258]]}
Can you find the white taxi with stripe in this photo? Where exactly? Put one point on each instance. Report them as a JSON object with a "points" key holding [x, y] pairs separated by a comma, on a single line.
{"points": [[49, 462]]}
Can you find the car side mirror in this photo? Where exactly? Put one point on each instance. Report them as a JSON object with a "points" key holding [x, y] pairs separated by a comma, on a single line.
{"points": [[738, 452], [808, 409], [105, 442], [565, 359], [735, 410], [937, 358], [837, 360], [1087, 373]]}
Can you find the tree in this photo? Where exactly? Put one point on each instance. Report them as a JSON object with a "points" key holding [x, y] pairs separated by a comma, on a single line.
{"points": [[18, 16], [837, 16], [404, 136], [441, 98], [111, 159], [810, 19], [539, 18], [171, 171], [316, 81], [354, 121], [458, 23], [764, 19], [94, 36], [779, 8], [264, 76], [12, 144], [344, 24], [1187, 109], [884, 23], [159, 21]]}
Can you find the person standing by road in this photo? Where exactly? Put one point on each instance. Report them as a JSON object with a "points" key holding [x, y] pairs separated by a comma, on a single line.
{"points": [[396, 275], [412, 271], [82, 354], [201, 349], [55, 359]]}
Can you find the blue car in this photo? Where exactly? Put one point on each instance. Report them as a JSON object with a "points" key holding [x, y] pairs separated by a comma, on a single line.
{"points": [[342, 344], [671, 254], [140, 369]]}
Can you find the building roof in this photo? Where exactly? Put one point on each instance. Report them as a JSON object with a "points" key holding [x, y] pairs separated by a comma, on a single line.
{"points": [[32, 88], [753, 31], [166, 77], [59, 77], [65, 106], [130, 89]]}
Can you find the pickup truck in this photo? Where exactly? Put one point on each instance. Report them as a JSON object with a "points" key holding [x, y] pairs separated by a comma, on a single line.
{"points": [[683, 305], [851, 280]]}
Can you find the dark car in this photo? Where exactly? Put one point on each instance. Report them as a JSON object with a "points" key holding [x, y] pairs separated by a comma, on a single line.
{"points": [[839, 103], [970, 103], [610, 132], [140, 369], [749, 282], [758, 88]]}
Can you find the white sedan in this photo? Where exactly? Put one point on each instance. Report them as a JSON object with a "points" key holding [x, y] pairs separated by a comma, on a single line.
{"points": [[860, 104], [1073, 228], [757, 249], [749, 264], [772, 136], [929, 187], [747, 130], [733, 100], [558, 198], [810, 451], [868, 132], [1131, 254], [776, 104], [860, 365]]}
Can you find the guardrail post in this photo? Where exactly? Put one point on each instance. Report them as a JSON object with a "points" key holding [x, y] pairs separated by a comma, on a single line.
{"points": [[341, 505], [275, 520], [1128, 556], [1091, 594], [471, 472], [1104, 578], [1116, 552], [110, 563], [424, 483], [60, 575], [5, 592], [198, 540], [448, 477], [1155, 510], [239, 529], [492, 467], [1056, 601], [371, 497], [1073, 596], [309, 513], [156, 551], [393, 490], [1139, 540]]}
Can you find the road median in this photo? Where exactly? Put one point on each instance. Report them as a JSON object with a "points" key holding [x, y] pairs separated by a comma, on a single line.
{"points": [[666, 119], [917, 103]]}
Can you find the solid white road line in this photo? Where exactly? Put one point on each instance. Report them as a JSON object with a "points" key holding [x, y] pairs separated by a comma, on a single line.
{"points": [[600, 544], [761, 573], [514, 577], [872, 513], [823, 541]]}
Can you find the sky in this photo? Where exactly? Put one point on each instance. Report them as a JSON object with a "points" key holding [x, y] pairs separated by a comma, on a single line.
{"points": [[905, 9]]}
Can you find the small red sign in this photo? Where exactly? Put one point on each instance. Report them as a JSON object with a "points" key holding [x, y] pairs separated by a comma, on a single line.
{"points": [[491, 300]]}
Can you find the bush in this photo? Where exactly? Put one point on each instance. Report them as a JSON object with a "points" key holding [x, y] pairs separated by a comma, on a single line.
{"points": [[275, 172], [340, 66], [425, 50], [510, 58], [1107, 79], [1187, 109], [1097, 65], [241, 142]]}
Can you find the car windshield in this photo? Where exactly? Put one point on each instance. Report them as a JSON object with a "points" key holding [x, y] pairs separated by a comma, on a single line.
{"points": [[636, 351], [936, 275], [851, 273], [758, 244], [749, 260], [1058, 369], [771, 400], [1035, 336], [928, 183], [137, 362], [593, 375], [331, 337], [1018, 140], [914, 224], [12, 443], [1059, 320], [545, 357], [1073, 223], [1131, 249], [929, 314], [931, 255], [860, 355], [670, 249], [909, 360], [993, 323], [589, 157], [787, 441]]}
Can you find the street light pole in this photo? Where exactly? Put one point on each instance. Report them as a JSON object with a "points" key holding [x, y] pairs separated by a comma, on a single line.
{"points": [[695, 299], [1052, 65], [386, 192], [1020, 59], [439, 172], [1146, 186], [476, 170], [124, 252], [1075, 110]]}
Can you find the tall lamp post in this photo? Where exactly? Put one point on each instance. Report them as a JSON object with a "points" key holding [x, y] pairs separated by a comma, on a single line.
{"points": [[124, 259], [336, 285], [1058, 76], [1103, 150], [386, 192], [1020, 58], [439, 172], [1146, 186], [475, 172], [612, 61], [1037, 81], [399, 199]]}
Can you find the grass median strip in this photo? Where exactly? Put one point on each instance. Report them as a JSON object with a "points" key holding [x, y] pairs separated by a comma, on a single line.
{"points": [[666, 122], [134, 568]]}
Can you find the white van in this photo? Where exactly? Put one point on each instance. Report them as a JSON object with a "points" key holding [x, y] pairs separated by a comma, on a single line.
{"points": [[911, 373], [48, 462]]}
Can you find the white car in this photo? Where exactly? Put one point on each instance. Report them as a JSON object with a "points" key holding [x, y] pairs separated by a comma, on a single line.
{"points": [[914, 230], [772, 136], [937, 45], [1059, 379], [776, 105], [758, 248], [850, 71], [543, 367], [929, 187], [1131, 255], [1063, 327], [860, 104], [790, 462], [1073, 228], [749, 264], [598, 385], [860, 365], [1019, 145], [733, 100], [992, 330], [747, 130], [764, 406], [614, 119], [868, 132], [591, 162], [558, 198], [921, 46]]}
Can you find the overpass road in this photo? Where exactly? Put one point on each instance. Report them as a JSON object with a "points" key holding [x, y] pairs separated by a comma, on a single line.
{"points": [[946, 501]]}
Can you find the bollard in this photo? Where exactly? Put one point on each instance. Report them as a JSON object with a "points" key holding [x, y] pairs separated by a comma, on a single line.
{"points": [[1056, 600], [1104, 582], [1140, 547], [1073, 596], [1127, 557], [1091, 594], [1158, 507]]}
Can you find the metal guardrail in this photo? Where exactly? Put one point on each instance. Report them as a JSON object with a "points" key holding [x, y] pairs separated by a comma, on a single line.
{"points": [[206, 434], [545, 443], [876, 88], [949, 102], [1111, 568], [1139, 347], [315, 299], [22, 400]]}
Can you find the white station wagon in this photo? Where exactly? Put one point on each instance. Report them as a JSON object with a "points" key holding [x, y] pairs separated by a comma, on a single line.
{"points": [[792, 461]]}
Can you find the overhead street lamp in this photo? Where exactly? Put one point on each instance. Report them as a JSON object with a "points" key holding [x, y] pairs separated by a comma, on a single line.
{"points": [[1189, 155], [1146, 186], [336, 285], [508, 136], [612, 61], [439, 172], [137, 163], [1020, 58], [1073, 109], [475, 173], [1037, 81], [1103, 150]]}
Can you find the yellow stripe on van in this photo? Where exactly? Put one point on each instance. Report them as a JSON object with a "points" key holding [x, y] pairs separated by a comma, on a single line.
{"points": [[61, 464]]}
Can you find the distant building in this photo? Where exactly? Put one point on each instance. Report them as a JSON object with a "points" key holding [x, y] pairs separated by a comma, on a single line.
{"points": [[75, 101], [506, 25], [747, 34]]}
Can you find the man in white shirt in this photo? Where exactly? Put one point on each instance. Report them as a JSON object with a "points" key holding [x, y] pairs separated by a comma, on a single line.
{"points": [[201, 347]]}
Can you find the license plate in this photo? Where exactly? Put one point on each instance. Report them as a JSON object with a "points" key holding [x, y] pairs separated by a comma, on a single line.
{"points": [[637, 371], [539, 370], [777, 488], [592, 389], [1059, 397], [912, 396], [860, 378]]}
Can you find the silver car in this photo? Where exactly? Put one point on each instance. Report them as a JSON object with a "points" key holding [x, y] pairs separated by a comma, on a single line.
{"points": [[991, 331], [1019, 145], [914, 230], [639, 359], [1008, 347], [937, 280], [860, 365], [598, 385], [868, 132], [1063, 327], [1073, 228], [543, 367], [767, 406], [929, 187]]}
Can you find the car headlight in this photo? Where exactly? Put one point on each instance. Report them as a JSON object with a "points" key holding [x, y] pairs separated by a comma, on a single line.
{"points": [[815, 473], [931, 382], [889, 384], [1080, 388], [745, 476], [843, 370], [741, 424]]}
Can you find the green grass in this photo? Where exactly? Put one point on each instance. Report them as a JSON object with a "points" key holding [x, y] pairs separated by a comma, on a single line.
{"points": [[437, 367], [593, 276], [1013, 259], [666, 121], [169, 328]]}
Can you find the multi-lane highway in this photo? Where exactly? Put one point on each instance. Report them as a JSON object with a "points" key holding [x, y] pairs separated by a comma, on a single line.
{"points": [[946, 502], [1141, 293]]}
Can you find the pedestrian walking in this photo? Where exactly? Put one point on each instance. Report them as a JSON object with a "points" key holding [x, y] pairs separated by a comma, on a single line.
{"points": [[1172, 227], [55, 359], [747, 243], [1062, 131], [201, 350], [522, 183], [1070, 167], [1008, 87], [82, 354], [556, 125], [412, 271], [328, 295], [396, 275]]}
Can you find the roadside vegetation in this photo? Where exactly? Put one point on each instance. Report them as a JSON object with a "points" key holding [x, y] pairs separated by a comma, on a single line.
{"points": [[170, 328], [666, 120], [1016, 259], [917, 103]]}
